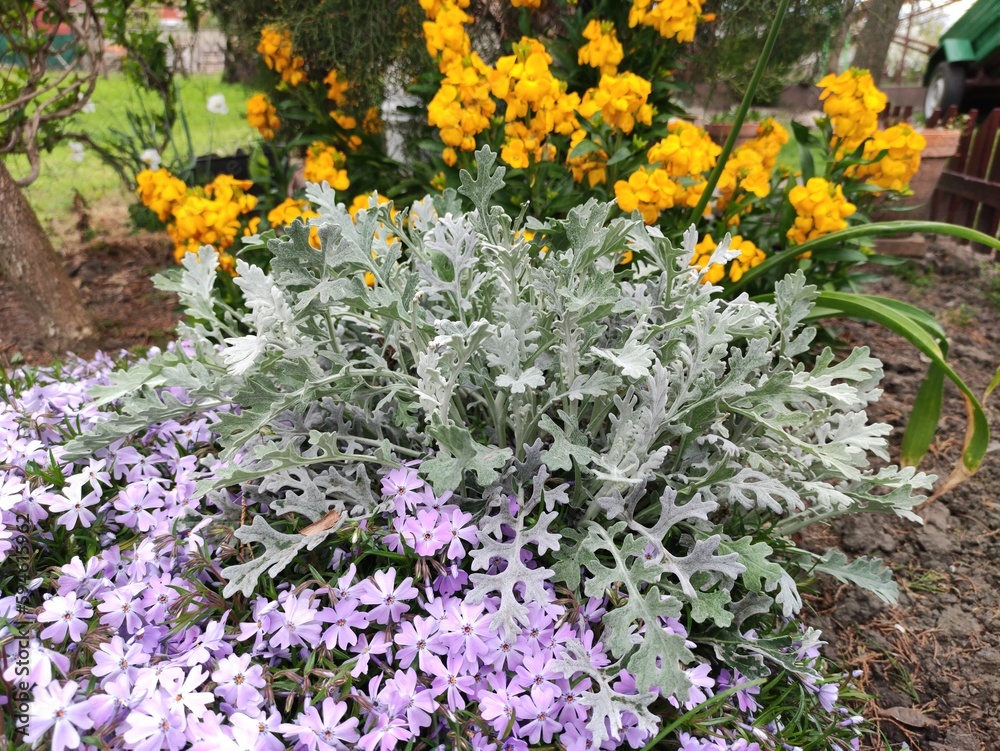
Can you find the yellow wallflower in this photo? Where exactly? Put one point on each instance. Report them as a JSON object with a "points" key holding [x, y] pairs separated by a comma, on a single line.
{"points": [[344, 120], [288, 211], [649, 191], [337, 87], [591, 166], [262, 115], [621, 100], [462, 106], [533, 4], [276, 47], [603, 50], [160, 191], [686, 152], [750, 256], [820, 209], [852, 102], [211, 215], [674, 19], [895, 170], [326, 162], [445, 33]]}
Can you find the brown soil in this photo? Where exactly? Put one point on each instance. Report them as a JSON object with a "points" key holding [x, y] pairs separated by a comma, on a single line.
{"points": [[932, 661], [112, 270]]}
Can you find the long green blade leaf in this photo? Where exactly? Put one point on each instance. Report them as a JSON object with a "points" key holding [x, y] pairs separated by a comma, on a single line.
{"points": [[874, 229], [977, 434], [924, 418]]}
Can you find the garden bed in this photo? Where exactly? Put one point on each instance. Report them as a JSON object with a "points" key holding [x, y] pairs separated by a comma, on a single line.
{"points": [[933, 660]]}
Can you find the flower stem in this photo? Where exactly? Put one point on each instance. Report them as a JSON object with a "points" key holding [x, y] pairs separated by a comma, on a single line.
{"points": [[741, 114]]}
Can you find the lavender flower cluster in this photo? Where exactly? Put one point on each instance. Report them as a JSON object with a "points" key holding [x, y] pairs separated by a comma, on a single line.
{"points": [[131, 646]]}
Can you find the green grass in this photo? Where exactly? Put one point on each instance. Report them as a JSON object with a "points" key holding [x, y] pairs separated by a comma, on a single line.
{"points": [[51, 195]]}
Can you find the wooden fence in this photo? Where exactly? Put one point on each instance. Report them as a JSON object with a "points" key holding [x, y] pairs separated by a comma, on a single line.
{"points": [[968, 192]]}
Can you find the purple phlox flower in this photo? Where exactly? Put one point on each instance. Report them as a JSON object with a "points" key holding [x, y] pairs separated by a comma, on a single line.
{"points": [[97, 474], [298, 622], [161, 674], [122, 607], [576, 737], [54, 708], [136, 504], [180, 498], [394, 540], [385, 734], [419, 640], [151, 637], [72, 505], [364, 649], [155, 725], [702, 684], [267, 727], [31, 505], [827, 694], [502, 654], [183, 691], [401, 485], [264, 622], [68, 616], [573, 710], [467, 632], [538, 633], [159, 596], [594, 650], [211, 643], [513, 744], [594, 609], [535, 670], [744, 697], [237, 681], [121, 458], [115, 658], [388, 599], [115, 566], [345, 584], [404, 694], [451, 679], [323, 731], [498, 704], [118, 697], [452, 582], [344, 618], [538, 714], [145, 560], [426, 533], [11, 492], [41, 659]]}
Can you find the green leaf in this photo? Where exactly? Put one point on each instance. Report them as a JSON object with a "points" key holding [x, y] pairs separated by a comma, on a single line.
{"points": [[868, 573], [924, 418], [977, 434]]}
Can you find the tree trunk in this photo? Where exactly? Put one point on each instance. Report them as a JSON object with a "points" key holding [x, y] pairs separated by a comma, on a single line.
{"points": [[847, 17], [881, 19], [34, 271], [239, 64]]}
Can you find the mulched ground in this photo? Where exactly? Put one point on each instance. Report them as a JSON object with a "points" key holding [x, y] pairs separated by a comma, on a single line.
{"points": [[113, 276], [932, 662]]}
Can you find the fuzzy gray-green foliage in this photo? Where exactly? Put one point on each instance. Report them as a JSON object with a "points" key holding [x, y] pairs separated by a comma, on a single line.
{"points": [[656, 441]]}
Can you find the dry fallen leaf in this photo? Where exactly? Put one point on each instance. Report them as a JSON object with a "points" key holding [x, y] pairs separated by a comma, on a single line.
{"points": [[912, 717], [327, 522]]}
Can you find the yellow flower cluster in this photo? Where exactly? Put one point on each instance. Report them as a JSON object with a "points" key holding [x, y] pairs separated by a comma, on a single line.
{"points": [[160, 191], [526, 3], [326, 162], [337, 87], [592, 165], [462, 106], [603, 50], [853, 103], [276, 47], [649, 191], [212, 216], [288, 211], [672, 18], [444, 31], [895, 170], [621, 100], [750, 166], [686, 152], [820, 209], [750, 256], [537, 103], [262, 115]]}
